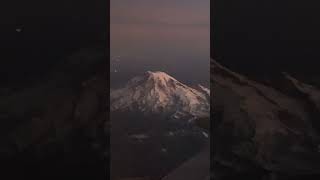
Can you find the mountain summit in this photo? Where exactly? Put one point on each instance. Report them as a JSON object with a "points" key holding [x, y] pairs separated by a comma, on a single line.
{"points": [[158, 92]]}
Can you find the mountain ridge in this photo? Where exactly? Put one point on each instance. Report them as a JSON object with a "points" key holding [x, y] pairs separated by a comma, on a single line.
{"points": [[272, 127]]}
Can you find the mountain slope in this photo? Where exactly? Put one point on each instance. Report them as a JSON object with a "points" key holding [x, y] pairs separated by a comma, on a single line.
{"points": [[151, 118], [157, 92], [55, 128], [256, 125]]}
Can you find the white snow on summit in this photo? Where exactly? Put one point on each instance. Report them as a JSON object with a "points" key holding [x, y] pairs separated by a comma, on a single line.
{"points": [[158, 92]]}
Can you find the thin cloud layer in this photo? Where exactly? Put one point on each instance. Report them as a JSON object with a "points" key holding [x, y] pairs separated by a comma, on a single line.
{"points": [[161, 13]]}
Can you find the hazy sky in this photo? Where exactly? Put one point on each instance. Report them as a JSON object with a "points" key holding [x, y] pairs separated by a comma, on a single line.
{"points": [[168, 35]]}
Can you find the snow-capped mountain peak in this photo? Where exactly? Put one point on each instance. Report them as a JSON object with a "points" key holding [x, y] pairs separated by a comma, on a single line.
{"points": [[158, 92]]}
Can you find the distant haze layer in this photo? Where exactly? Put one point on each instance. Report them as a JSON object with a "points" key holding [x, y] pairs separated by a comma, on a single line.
{"points": [[170, 35]]}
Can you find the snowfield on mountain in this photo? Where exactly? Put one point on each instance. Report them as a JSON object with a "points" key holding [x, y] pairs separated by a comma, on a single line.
{"points": [[158, 92]]}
